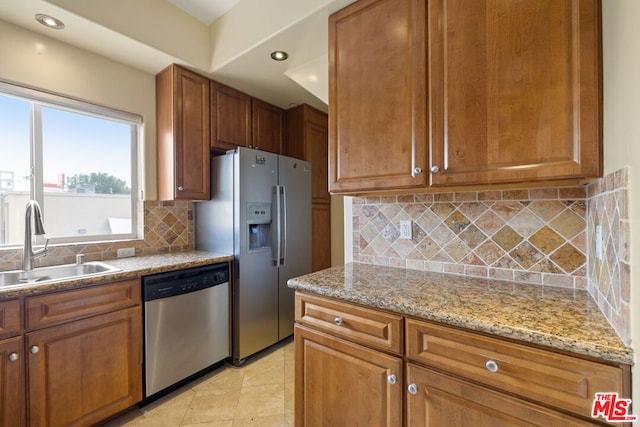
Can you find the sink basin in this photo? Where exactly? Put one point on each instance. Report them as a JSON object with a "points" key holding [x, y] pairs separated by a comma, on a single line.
{"points": [[57, 272]]}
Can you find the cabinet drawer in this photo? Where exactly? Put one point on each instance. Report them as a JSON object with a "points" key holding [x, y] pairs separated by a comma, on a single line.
{"points": [[45, 310], [9, 318], [445, 401], [558, 380], [364, 326]]}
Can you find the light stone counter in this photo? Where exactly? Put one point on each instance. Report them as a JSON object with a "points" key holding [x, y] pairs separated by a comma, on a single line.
{"points": [[131, 268], [560, 318]]}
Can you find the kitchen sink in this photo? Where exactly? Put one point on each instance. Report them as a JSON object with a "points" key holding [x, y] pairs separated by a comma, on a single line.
{"points": [[57, 272]]}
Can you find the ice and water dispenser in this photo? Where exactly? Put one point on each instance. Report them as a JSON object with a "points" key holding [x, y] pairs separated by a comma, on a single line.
{"points": [[259, 223]]}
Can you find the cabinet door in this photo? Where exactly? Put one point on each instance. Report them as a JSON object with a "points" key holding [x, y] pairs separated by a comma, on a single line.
{"points": [[515, 90], [12, 413], [320, 236], [308, 139], [230, 118], [183, 135], [338, 383], [444, 401], [267, 126], [316, 142], [377, 96], [85, 371]]}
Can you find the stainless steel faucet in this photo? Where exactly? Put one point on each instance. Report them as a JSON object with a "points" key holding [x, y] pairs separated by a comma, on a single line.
{"points": [[28, 254]]}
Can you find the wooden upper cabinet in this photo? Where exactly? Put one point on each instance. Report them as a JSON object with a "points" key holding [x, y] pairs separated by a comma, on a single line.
{"points": [[515, 90], [511, 93], [377, 96], [307, 139], [230, 118], [267, 126], [182, 108]]}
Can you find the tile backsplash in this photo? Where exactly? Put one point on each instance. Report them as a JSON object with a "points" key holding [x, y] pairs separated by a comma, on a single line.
{"points": [[537, 236], [167, 227], [533, 235], [609, 270]]}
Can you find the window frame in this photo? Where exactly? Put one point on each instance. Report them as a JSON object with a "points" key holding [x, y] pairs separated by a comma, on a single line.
{"points": [[41, 98]]}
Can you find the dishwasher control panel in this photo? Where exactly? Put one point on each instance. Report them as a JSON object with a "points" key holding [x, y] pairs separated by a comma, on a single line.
{"points": [[172, 283]]}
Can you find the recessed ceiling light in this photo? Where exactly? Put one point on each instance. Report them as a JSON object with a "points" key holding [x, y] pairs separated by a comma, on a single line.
{"points": [[49, 21], [279, 55]]}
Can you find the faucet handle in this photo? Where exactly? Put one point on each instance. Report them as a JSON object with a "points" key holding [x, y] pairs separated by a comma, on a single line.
{"points": [[43, 251]]}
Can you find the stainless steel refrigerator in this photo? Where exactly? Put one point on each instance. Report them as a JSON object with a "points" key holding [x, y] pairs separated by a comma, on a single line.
{"points": [[260, 210]]}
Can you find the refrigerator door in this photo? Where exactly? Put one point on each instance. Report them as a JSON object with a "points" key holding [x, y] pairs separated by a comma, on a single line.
{"points": [[256, 282], [295, 178]]}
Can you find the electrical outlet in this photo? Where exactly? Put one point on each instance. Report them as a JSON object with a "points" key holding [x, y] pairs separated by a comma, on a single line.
{"points": [[126, 252], [405, 229], [599, 242]]}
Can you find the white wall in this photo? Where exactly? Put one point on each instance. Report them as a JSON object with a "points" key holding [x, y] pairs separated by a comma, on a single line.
{"points": [[621, 34], [35, 60]]}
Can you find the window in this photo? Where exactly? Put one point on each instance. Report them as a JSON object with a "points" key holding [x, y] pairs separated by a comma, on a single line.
{"points": [[78, 160]]}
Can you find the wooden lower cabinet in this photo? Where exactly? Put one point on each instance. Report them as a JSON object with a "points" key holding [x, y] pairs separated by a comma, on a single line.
{"points": [[442, 400], [85, 371], [346, 353], [338, 383], [11, 382]]}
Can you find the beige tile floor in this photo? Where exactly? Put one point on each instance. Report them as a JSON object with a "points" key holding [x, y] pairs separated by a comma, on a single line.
{"points": [[259, 393]]}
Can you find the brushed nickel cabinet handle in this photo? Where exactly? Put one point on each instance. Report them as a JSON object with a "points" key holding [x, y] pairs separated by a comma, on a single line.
{"points": [[491, 366], [412, 389]]}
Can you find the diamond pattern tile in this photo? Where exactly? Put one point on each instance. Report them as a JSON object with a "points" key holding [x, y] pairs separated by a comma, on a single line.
{"points": [[568, 224], [526, 255], [507, 238], [487, 233], [457, 222], [546, 239]]}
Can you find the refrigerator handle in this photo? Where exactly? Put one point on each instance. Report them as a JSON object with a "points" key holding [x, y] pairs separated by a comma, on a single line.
{"points": [[275, 255], [284, 225]]}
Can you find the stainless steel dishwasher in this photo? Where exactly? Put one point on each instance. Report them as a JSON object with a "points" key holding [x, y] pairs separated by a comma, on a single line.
{"points": [[186, 325]]}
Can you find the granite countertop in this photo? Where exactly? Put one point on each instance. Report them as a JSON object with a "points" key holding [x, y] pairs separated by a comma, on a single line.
{"points": [[560, 318], [130, 268]]}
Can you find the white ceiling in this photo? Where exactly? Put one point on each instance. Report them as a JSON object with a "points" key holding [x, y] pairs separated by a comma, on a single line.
{"points": [[205, 11], [227, 40]]}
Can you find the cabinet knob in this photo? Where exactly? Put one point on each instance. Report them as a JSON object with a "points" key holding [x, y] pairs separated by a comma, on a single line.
{"points": [[391, 379], [35, 349], [338, 321], [492, 366], [13, 357], [417, 171], [412, 389], [180, 188], [435, 169]]}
